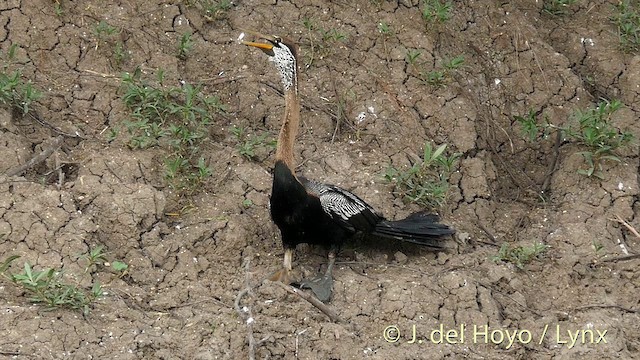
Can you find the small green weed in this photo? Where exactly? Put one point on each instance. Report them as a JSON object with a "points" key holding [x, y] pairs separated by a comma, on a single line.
{"points": [[57, 8], [322, 41], [384, 28], [332, 35], [436, 11], [590, 128], [185, 46], [107, 37], [427, 182], [627, 19], [595, 132], [14, 92], [557, 7], [120, 55], [172, 117], [249, 144], [216, 10], [520, 255], [438, 78], [247, 203], [104, 31], [597, 247], [412, 57], [48, 288]]}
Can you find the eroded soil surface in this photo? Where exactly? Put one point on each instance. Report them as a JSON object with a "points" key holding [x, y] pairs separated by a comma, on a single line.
{"points": [[364, 108]]}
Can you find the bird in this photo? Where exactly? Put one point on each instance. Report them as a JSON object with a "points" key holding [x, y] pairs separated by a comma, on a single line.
{"points": [[308, 211]]}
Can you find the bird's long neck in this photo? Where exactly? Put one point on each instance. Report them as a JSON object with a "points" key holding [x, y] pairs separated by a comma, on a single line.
{"points": [[289, 130]]}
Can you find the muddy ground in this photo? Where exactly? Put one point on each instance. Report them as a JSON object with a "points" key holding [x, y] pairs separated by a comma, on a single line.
{"points": [[364, 108]]}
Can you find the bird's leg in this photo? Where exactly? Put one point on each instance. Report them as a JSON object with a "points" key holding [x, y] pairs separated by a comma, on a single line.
{"points": [[284, 274], [332, 261], [322, 286]]}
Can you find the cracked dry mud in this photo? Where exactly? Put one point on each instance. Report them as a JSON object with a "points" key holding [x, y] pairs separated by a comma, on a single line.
{"points": [[176, 302]]}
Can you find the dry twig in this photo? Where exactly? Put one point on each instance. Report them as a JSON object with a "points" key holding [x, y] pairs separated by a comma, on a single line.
{"points": [[245, 311], [313, 301], [38, 158]]}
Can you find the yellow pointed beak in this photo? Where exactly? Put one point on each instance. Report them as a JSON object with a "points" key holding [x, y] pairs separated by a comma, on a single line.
{"points": [[262, 46]]}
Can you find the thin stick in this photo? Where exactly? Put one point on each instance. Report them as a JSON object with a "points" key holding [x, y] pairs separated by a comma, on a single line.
{"points": [[488, 233], [627, 225], [222, 80], [621, 258], [552, 166], [245, 311], [313, 301], [604, 306], [37, 159]]}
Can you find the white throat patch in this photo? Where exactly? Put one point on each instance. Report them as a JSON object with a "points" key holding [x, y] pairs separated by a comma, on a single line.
{"points": [[286, 63]]}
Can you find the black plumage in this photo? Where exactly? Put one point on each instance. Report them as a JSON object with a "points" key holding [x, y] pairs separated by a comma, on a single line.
{"points": [[310, 212]]}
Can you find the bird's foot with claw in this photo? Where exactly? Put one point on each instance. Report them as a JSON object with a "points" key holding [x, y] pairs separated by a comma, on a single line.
{"points": [[283, 275], [321, 286]]}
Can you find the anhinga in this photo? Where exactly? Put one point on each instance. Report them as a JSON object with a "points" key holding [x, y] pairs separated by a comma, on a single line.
{"points": [[309, 212]]}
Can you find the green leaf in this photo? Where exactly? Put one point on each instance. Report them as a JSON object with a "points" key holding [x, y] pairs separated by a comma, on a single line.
{"points": [[5, 264], [119, 266], [439, 151]]}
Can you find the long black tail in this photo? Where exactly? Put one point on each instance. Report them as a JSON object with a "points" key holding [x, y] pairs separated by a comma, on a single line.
{"points": [[418, 228]]}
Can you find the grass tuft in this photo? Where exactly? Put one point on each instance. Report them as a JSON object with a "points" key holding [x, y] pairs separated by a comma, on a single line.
{"points": [[48, 288], [590, 128], [175, 118], [520, 255], [426, 182], [627, 19], [14, 91]]}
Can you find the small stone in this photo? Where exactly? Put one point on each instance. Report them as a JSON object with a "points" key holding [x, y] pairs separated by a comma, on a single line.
{"points": [[400, 257], [463, 237]]}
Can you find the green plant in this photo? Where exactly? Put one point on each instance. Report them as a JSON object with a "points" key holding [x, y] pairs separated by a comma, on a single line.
{"points": [[596, 133], [332, 35], [119, 53], [308, 24], [528, 125], [248, 144], [172, 117], [14, 92], [93, 258], [247, 203], [185, 45], [426, 182], [120, 266], [216, 10], [520, 255], [321, 41], [627, 19], [103, 30], [438, 78], [597, 246], [453, 63], [49, 288], [589, 128], [436, 10], [384, 28], [106, 36], [412, 56], [557, 7], [57, 8]]}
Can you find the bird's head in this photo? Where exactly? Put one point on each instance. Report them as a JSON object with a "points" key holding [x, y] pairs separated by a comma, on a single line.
{"points": [[283, 53]]}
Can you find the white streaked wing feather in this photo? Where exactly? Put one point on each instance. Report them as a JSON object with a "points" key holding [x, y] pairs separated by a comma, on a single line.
{"points": [[336, 201]]}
